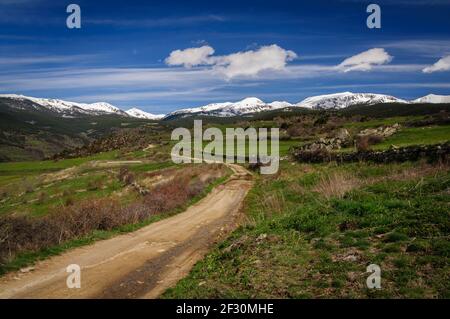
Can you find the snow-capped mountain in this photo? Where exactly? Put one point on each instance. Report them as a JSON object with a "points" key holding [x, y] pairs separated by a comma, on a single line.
{"points": [[255, 105], [62, 107], [433, 98], [245, 106], [346, 99], [137, 113]]}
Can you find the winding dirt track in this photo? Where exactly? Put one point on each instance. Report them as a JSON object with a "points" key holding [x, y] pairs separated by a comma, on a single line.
{"points": [[142, 264]]}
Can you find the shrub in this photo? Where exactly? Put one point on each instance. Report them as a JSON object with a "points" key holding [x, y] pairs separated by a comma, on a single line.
{"points": [[364, 142], [125, 176], [336, 185]]}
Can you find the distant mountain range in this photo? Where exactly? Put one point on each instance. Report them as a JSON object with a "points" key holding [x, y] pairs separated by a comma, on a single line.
{"points": [[246, 106], [73, 109], [320, 102]]}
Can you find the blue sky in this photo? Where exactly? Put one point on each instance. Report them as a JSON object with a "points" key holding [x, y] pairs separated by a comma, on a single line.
{"points": [[275, 50]]}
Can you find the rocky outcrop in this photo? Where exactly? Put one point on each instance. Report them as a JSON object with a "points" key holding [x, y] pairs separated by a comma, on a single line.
{"points": [[382, 131], [341, 138]]}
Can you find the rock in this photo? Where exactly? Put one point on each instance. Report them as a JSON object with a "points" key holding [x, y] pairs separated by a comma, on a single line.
{"points": [[27, 269], [382, 131], [342, 134], [350, 258], [261, 238]]}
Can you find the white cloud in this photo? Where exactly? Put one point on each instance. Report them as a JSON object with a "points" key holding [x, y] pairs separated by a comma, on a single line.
{"points": [[191, 57], [251, 63], [441, 65], [241, 64], [365, 61]]}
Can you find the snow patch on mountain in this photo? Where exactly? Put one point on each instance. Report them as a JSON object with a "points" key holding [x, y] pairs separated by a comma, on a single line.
{"points": [[346, 99], [433, 98], [137, 113]]}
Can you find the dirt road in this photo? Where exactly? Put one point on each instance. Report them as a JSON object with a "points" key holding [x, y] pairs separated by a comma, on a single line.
{"points": [[142, 264]]}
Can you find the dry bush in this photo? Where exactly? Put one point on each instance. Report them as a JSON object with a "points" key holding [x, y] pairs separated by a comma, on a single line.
{"points": [[125, 176], [295, 130], [420, 170], [78, 219], [364, 142], [336, 184]]}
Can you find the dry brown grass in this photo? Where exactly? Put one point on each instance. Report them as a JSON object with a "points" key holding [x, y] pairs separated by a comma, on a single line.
{"points": [[336, 184], [274, 203]]}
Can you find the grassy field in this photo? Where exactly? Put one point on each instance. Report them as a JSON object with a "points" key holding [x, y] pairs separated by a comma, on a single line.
{"points": [[312, 230], [417, 136]]}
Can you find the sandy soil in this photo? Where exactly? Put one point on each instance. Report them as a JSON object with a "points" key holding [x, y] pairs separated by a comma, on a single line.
{"points": [[142, 264]]}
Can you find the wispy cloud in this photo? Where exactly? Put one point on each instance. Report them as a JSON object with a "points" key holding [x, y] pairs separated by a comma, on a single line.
{"points": [[441, 65], [434, 48], [157, 22], [29, 60]]}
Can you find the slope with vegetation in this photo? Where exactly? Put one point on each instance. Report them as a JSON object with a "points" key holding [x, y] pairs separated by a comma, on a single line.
{"points": [[311, 230]]}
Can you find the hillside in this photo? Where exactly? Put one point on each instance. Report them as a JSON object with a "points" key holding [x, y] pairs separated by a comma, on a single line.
{"points": [[28, 131]]}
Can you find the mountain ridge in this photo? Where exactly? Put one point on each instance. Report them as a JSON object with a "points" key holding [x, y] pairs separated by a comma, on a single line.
{"points": [[248, 105]]}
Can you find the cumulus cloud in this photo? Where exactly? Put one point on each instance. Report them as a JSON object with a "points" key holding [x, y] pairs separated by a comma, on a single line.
{"points": [[241, 64], [365, 61], [191, 57], [251, 63], [441, 65]]}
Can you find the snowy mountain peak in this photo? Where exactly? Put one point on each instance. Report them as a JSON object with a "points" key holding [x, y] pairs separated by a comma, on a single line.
{"points": [[249, 102], [280, 104], [346, 99], [137, 113], [100, 107], [433, 98]]}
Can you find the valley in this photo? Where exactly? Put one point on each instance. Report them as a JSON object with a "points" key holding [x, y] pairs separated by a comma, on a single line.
{"points": [[227, 231]]}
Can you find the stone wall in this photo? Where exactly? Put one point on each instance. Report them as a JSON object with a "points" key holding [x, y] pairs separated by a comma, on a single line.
{"points": [[411, 153]]}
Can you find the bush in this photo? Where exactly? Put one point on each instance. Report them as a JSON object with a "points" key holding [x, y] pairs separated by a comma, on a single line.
{"points": [[364, 142], [125, 176]]}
